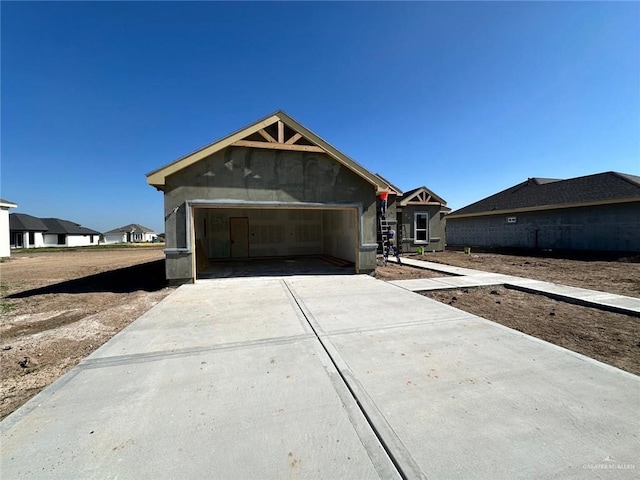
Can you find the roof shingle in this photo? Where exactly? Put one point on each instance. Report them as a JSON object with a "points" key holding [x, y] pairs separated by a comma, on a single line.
{"points": [[29, 223], [26, 223], [131, 228], [539, 192]]}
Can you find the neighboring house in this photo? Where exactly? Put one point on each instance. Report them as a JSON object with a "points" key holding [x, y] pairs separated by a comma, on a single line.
{"points": [[595, 212], [421, 216], [26, 231], [33, 232], [131, 233], [272, 189], [5, 205]]}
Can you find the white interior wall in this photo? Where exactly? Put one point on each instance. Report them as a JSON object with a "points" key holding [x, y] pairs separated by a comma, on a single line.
{"points": [[339, 234], [280, 232], [272, 232]]}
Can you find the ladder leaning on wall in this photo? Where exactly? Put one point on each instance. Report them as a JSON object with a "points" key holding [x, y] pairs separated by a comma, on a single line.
{"points": [[384, 234]]}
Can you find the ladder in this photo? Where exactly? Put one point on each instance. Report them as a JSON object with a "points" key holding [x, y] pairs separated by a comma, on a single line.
{"points": [[384, 234]]}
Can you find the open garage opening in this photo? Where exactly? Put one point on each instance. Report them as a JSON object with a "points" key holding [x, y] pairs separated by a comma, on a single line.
{"points": [[232, 241]]}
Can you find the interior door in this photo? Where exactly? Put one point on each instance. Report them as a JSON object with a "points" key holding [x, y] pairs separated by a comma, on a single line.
{"points": [[239, 237]]}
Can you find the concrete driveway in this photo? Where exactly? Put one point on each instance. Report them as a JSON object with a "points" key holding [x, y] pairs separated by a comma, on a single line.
{"points": [[325, 377]]}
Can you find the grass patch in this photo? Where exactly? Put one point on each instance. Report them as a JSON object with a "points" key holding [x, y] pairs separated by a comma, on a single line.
{"points": [[5, 305]]}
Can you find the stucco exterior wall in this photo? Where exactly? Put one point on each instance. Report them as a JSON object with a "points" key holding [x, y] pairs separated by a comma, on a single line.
{"points": [[51, 240], [122, 237], [606, 228], [262, 176], [82, 240], [26, 239], [5, 250], [436, 228]]}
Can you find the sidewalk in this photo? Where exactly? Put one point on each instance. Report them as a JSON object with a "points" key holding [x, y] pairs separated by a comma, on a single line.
{"points": [[466, 277]]}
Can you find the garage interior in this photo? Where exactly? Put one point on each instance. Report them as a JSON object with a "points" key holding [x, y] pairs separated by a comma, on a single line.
{"points": [[274, 240]]}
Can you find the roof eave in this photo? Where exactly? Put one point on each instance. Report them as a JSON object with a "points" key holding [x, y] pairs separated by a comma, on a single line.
{"points": [[545, 207]]}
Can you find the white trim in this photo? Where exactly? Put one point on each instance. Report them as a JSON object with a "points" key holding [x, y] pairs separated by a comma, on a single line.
{"points": [[416, 229]]}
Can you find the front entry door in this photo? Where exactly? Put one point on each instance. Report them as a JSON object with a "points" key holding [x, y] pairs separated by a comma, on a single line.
{"points": [[239, 237]]}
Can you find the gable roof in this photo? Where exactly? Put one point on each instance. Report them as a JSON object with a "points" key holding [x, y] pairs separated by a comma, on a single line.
{"points": [[26, 223], [22, 222], [545, 194], [131, 228], [59, 226], [420, 196], [303, 139]]}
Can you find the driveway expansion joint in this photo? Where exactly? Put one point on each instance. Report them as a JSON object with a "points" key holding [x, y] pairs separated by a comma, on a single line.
{"points": [[396, 451]]}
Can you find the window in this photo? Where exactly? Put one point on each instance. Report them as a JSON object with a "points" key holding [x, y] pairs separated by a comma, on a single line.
{"points": [[421, 227], [16, 239], [62, 239]]}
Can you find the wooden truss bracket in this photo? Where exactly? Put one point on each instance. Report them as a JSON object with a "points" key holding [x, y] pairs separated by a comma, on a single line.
{"points": [[280, 143], [421, 197]]}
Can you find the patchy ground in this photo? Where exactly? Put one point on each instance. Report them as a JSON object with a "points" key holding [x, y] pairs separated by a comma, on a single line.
{"points": [[609, 337], [393, 271], [58, 307]]}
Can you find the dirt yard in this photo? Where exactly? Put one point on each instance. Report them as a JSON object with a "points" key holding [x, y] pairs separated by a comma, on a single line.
{"points": [[605, 336], [57, 307], [621, 277]]}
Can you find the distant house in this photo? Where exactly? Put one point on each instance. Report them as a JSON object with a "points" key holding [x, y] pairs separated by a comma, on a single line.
{"points": [[595, 212], [27, 231], [5, 205], [130, 234]]}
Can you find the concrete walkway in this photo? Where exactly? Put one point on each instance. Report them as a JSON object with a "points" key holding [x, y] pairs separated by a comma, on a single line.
{"points": [[325, 377], [465, 277]]}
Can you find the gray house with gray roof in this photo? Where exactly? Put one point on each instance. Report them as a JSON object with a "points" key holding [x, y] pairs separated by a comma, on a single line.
{"points": [[598, 212]]}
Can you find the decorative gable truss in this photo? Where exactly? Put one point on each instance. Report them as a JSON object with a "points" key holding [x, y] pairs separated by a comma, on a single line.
{"points": [[277, 131], [422, 196], [278, 136]]}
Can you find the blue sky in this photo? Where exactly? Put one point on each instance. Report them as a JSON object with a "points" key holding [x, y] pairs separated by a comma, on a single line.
{"points": [[465, 98]]}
